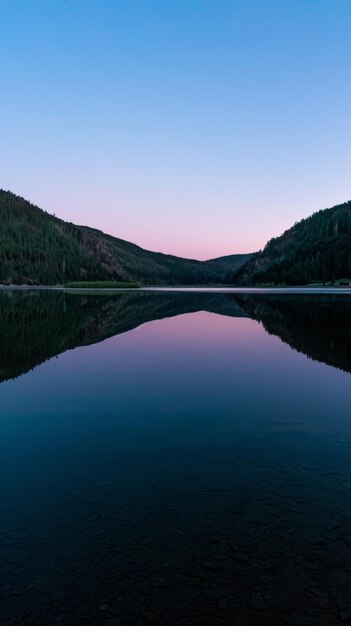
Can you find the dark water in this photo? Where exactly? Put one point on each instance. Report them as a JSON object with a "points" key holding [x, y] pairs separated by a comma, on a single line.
{"points": [[175, 458]]}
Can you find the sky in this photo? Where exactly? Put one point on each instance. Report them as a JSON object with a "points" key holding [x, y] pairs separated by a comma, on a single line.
{"points": [[193, 127]]}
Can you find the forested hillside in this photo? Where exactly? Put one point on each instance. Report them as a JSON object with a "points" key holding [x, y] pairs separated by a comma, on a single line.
{"points": [[317, 249], [38, 248]]}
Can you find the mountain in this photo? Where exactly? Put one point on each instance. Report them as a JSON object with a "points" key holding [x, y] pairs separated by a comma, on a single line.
{"points": [[231, 262], [38, 248], [317, 249]]}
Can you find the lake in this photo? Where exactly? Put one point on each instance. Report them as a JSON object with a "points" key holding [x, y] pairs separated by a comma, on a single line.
{"points": [[175, 457]]}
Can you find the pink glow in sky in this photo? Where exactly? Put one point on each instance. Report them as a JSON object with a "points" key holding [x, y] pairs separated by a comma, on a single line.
{"points": [[193, 128]]}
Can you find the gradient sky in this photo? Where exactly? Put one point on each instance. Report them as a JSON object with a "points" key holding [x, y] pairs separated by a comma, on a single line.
{"points": [[198, 127]]}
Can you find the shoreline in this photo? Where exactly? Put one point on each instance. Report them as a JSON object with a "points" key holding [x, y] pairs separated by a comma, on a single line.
{"points": [[343, 290]]}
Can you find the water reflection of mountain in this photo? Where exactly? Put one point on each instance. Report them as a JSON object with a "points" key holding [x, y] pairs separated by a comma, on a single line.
{"points": [[37, 325], [316, 325]]}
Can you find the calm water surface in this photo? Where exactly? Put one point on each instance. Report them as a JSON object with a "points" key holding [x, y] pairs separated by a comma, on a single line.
{"points": [[175, 458]]}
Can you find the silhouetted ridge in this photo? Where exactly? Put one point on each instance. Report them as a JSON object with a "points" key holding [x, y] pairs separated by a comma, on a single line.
{"points": [[39, 248], [317, 249]]}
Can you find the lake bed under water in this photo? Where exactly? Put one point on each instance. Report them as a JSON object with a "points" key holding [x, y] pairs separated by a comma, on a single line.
{"points": [[175, 458]]}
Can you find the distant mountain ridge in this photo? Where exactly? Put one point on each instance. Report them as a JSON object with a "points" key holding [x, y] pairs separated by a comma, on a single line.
{"points": [[316, 249], [39, 248], [231, 261]]}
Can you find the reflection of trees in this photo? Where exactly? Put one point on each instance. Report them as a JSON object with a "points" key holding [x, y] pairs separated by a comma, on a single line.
{"points": [[316, 325], [37, 325]]}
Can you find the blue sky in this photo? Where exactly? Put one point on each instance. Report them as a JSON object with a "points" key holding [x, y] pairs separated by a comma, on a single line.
{"points": [[198, 128]]}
